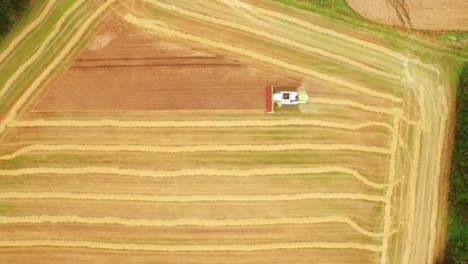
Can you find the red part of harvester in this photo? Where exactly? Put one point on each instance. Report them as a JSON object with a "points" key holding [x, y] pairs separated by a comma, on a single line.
{"points": [[268, 102]]}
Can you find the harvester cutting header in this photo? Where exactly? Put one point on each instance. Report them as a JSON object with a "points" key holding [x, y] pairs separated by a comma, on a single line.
{"points": [[283, 97]]}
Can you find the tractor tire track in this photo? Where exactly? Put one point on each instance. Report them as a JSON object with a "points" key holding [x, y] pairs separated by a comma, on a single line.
{"points": [[41, 219], [191, 248], [153, 26]]}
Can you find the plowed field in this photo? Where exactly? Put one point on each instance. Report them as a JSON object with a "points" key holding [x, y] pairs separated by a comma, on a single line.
{"points": [[123, 70]]}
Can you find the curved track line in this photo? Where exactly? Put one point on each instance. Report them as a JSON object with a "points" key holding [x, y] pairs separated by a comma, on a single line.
{"points": [[191, 198], [193, 172], [389, 191], [273, 37], [58, 59], [40, 219], [369, 108], [326, 31], [149, 24], [199, 123], [31, 26], [58, 27], [193, 247], [194, 148]]}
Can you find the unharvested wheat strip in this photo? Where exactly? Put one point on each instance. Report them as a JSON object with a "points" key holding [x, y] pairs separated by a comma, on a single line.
{"points": [[194, 148], [40, 219], [58, 59], [200, 123], [322, 30], [31, 26], [152, 25], [190, 198], [193, 172], [42, 48], [369, 108], [272, 37], [175, 248]]}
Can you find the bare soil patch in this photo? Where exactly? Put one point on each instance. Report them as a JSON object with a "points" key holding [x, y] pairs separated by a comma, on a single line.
{"points": [[122, 70]]}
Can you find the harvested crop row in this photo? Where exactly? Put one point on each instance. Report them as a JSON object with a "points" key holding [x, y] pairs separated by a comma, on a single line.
{"points": [[153, 26], [40, 219], [389, 192], [272, 37], [195, 148], [327, 31], [201, 123], [192, 198], [172, 248], [20, 137], [193, 172]]}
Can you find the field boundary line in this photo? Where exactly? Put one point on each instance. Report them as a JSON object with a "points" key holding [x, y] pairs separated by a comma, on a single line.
{"points": [[191, 248], [389, 191], [191, 198], [41, 219], [435, 197], [198, 123], [153, 26], [288, 42], [28, 29], [193, 172], [326, 31], [58, 59], [193, 148], [44, 45]]}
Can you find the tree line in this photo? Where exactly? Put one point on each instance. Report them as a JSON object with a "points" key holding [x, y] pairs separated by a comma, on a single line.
{"points": [[10, 13]]}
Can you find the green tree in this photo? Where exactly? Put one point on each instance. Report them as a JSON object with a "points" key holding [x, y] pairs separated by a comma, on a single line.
{"points": [[457, 247], [10, 12]]}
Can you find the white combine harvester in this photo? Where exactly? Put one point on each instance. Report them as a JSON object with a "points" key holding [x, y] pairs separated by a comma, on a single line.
{"points": [[281, 98]]}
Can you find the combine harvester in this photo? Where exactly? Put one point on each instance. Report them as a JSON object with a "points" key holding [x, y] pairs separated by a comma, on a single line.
{"points": [[280, 98]]}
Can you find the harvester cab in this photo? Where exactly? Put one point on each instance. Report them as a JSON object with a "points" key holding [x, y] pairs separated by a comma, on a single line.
{"points": [[280, 98]]}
